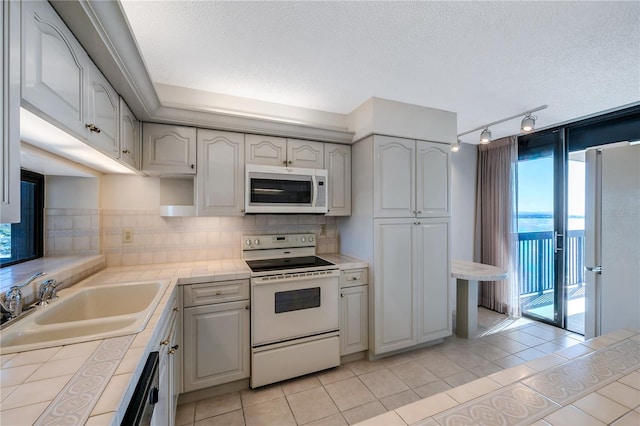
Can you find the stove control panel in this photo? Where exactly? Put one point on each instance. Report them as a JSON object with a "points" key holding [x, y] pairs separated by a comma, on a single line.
{"points": [[263, 242]]}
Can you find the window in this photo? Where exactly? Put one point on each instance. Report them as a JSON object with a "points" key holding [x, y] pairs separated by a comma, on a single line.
{"points": [[23, 241]]}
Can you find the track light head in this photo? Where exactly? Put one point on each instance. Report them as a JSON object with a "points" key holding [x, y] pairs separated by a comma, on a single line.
{"points": [[456, 146], [485, 136], [528, 123]]}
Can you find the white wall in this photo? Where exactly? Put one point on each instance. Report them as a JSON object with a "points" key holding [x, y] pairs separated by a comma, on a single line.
{"points": [[463, 198], [65, 192], [129, 192]]}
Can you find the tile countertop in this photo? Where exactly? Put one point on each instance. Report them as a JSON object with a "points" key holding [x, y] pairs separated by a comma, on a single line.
{"points": [[92, 382]]}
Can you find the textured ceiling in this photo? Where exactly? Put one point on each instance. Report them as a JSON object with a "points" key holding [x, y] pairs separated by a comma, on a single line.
{"points": [[483, 60]]}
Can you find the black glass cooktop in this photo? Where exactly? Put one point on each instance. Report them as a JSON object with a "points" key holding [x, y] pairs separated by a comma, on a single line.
{"points": [[267, 265]]}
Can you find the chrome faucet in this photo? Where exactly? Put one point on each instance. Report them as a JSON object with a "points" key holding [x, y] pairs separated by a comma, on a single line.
{"points": [[13, 298], [48, 291]]}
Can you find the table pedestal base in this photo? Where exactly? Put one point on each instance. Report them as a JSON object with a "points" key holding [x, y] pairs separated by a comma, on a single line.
{"points": [[467, 309]]}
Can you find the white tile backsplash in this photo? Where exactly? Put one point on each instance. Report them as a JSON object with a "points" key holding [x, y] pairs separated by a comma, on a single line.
{"points": [[159, 239]]}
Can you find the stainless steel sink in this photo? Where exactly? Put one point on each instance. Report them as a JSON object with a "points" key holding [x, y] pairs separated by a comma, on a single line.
{"points": [[85, 313]]}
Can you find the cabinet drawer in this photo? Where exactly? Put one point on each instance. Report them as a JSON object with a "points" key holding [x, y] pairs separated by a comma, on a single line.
{"points": [[208, 293], [354, 277]]}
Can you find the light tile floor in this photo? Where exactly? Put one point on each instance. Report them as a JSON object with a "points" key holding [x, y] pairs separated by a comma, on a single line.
{"points": [[362, 389]]}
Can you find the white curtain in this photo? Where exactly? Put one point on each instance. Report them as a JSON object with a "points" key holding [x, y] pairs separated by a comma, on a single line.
{"points": [[496, 239]]}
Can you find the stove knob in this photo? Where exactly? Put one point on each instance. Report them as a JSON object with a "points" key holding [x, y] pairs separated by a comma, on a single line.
{"points": [[310, 239], [248, 242], [256, 242], [304, 239]]}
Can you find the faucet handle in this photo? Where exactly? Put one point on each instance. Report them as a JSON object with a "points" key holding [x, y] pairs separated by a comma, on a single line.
{"points": [[28, 281]]}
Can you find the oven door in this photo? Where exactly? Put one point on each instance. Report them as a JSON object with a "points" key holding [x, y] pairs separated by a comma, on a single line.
{"points": [[291, 306]]}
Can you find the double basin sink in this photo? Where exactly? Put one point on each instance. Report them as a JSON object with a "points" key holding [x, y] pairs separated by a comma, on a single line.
{"points": [[85, 313]]}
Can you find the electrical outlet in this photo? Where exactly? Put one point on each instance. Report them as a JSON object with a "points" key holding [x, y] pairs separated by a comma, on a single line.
{"points": [[323, 230], [127, 235]]}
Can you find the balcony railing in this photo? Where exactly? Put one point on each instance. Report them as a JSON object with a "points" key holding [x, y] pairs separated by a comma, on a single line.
{"points": [[535, 260]]}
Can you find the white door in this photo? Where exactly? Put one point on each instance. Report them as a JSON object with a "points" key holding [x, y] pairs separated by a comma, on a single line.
{"points": [[129, 136], [220, 177], [433, 272], [433, 176], [265, 150], [354, 314], [305, 154], [168, 149], [395, 301], [102, 114], [337, 160], [394, 177], [612, 239]]}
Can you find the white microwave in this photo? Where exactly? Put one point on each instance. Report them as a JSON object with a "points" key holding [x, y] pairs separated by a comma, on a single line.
{"points": [[273, 189]]}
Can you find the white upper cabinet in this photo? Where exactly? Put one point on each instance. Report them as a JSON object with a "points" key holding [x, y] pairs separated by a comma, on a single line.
{"points": [[433, 173], [394, 177], [54, 68], [308, 154], [220, 177], [411, 178], [10, 112], [130, 136], [274, 151], [337, 160], [265, 150], [102, 114], [168, 149]]}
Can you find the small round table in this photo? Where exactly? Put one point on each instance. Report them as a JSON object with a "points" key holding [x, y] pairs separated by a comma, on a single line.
{"points": [[467, 275]]}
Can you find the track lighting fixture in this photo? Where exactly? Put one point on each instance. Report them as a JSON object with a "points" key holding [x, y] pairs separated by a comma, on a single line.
{"points": [[485, 136], [527, 125], [456, 146]]}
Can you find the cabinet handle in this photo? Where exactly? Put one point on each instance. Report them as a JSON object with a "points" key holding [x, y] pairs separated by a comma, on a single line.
{"points": [[290, 162], [125, 151], [165, 342], [193, 166], [218, 293], [416, 223], [247, 307], [341, 295], [284, 162], [173, 349], [176, 309], [354, 278], [92, 128]]}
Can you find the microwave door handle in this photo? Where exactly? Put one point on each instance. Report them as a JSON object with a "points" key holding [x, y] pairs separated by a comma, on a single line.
{"points": [[314, 184]]}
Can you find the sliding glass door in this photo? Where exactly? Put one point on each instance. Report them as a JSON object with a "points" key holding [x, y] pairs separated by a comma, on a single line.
{"points": [[541, 226]]}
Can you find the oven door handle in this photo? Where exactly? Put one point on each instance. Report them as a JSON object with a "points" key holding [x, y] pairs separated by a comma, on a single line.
{"points": [[264, 281], [314, 184]]}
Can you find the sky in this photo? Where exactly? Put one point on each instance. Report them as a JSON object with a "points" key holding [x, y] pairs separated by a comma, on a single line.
{"points": [[535, 186]]}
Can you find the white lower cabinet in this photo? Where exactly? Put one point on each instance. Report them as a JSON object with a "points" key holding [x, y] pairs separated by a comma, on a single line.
{"points": [[164, 412], [216, 335], [411, 297], [354, 321]]}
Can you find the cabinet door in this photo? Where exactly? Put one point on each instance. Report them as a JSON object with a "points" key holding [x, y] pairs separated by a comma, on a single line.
{"points": [[354, 320], [337, 160], [394, 177], [220, 178], [102, 114], [433, 170], [129, 136], [54, 68], [433, 277], [307, 154], [216, 344], [266, 150], [394, 298], [10, 112], [168, 149]]}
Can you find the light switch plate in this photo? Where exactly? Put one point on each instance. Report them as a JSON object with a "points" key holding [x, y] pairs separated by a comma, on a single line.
{"points": [[127, 235]]}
